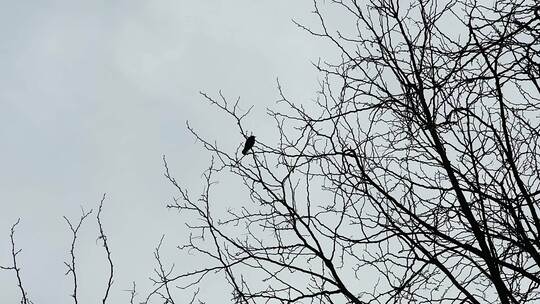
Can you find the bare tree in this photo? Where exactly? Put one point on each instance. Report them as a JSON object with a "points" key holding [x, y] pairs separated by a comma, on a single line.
{"points": [[71, 263], [103, 238], [14, 253], [413, 177]]}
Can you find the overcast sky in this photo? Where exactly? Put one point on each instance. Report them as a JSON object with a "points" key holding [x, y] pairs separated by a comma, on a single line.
{"points": [[93, 93]]}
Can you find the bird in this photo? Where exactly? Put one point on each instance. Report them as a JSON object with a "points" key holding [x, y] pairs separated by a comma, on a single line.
{"points": [[250, 141]]}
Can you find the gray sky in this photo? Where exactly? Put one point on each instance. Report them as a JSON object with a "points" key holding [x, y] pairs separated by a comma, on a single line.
{"points": [[92, 93]]}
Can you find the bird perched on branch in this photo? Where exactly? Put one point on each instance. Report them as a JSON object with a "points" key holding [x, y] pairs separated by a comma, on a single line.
{"points": [[250, 141]]}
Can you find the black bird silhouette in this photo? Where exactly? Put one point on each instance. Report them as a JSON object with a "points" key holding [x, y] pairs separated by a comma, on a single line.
{"points": [[250, 141]]}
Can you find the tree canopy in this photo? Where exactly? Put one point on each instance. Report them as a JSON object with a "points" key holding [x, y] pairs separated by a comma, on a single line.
{"points": [[413, 177]]}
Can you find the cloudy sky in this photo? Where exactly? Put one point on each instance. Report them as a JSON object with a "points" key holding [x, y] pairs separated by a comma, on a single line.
{"points": [[93, 93]]}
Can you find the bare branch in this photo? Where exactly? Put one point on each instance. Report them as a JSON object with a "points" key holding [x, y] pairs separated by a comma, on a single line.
{"points": [[71, 265]]}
